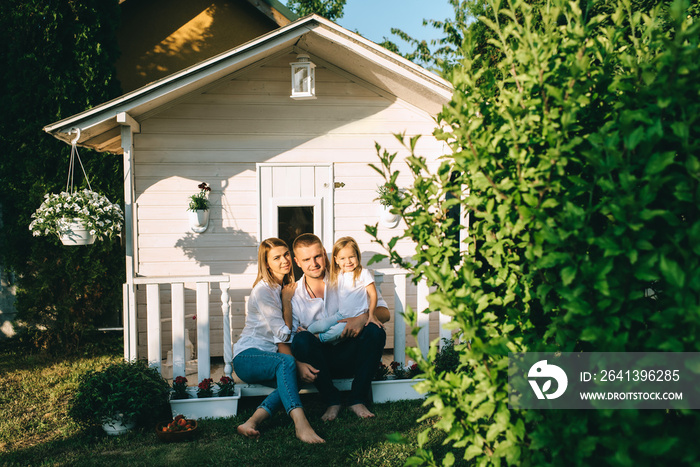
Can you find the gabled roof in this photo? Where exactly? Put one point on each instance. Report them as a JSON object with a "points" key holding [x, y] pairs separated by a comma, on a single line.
{"points": [[274, 10], [100, 126]]}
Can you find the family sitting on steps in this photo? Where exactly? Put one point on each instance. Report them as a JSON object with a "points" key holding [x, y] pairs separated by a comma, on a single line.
{"points": [[313, 330]]}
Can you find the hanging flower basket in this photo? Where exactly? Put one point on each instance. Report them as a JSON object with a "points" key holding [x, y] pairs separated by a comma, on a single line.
{"points": [[75, 232], [77, 218]]}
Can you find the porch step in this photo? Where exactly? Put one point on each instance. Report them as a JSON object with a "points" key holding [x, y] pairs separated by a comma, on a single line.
{"points": [[260, 390]]}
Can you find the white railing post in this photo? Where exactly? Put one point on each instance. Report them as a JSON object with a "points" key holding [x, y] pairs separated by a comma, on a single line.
{"points": [[178, 328], [153, 325], [423, 318], [226, 311], [203, 362], [444, 333], [125, 320], [399, 323]]}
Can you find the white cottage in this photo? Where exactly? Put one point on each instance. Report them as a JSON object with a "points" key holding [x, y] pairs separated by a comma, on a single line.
{"points": [[277, 166]]}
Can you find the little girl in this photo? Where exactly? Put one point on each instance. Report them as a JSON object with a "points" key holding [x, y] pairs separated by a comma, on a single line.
{"points": [[357, 293]]}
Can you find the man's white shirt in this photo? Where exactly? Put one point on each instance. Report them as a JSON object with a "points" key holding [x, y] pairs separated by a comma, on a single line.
{"points": [[306, 309]]}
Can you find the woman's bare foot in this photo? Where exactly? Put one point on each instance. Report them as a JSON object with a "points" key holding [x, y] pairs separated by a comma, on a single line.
{"points": [[361, 411], [308, 435], [248, 430], [302, 427], [331, 413]]}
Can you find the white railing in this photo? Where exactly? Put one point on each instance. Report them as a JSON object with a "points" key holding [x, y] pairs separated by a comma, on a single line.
{"points": [[153, 319], [202, 284]]}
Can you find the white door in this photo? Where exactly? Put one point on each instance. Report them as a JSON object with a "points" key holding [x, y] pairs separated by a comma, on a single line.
{"points": [[296, 199]]}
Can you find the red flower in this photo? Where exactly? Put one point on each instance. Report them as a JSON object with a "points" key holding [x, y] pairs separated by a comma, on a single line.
{"points": [[180, 380], [395, 365], [205, 384]]}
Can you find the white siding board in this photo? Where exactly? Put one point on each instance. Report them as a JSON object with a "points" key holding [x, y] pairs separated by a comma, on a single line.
{"points": [[221, 240]]}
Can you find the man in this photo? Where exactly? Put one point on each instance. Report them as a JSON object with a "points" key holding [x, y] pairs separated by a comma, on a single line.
{"points": [[360, 351]]}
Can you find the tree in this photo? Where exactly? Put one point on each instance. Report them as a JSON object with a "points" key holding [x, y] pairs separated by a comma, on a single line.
{"points": [[57, 60], [579, 148], [329, 9]]}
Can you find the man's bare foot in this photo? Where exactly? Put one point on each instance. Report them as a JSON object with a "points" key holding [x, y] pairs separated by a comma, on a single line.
{"points": [[361, 411], [308, 435], [248, 429], [331, 413]]}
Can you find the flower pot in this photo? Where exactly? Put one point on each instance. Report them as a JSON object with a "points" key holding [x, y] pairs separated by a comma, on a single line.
{"points": [[175, 436], [210, 407], [395, 390], [386, 218], [116, 425], [199, 220], [73, 232]]}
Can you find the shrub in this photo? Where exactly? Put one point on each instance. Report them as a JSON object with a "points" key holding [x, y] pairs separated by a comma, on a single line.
{"points": [[576, 158], [130, 388]]}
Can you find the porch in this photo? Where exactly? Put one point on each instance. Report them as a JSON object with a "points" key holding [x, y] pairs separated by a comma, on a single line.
{"points": [[214, 315]]}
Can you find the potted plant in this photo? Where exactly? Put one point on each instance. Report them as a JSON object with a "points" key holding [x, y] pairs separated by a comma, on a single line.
{"points": [[396, 382], [77, 218], [204, 401], [199, 209], [120, 396], [179, 389], [386, 217], [226, 387], [204, 389]]}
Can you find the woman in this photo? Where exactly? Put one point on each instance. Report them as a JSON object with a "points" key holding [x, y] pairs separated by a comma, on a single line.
{"points": [[255, 356]]}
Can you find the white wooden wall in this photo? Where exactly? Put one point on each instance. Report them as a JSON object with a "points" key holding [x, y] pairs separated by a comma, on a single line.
{"points": [[218, 136]]}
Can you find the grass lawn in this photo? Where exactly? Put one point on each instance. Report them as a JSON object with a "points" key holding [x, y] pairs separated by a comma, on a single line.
{"points": [[35, 430]]}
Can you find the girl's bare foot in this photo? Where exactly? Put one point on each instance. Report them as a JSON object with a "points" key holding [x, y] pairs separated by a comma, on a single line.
{"points": [[361, 411], [331, 413]]}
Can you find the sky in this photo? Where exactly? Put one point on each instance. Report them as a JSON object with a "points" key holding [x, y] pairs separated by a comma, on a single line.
{"points": [[374, 19]]}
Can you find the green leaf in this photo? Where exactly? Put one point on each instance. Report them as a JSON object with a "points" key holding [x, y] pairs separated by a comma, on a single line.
{"points": [[568, 274], [472, 451], [659, 161], [672, 272]]}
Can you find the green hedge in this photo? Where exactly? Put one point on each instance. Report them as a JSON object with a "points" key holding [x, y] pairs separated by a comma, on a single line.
{"points": [[57, 60], [577, 158]]}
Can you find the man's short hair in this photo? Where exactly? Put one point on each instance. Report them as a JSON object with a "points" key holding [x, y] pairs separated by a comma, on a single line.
{"points": [[306, 239]]}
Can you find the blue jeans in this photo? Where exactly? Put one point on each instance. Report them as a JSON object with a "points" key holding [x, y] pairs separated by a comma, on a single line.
{"points": [[276, 370], [359, 356]]}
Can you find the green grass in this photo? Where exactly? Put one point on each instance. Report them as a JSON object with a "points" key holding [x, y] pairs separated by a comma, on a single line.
{"points": [[35, 429]]}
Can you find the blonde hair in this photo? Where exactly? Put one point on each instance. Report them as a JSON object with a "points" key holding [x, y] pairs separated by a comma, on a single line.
{"points": [[264, 273], [335, 269]]}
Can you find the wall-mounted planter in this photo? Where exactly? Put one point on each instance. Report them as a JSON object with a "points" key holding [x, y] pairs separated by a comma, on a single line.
{"points": [[208, 407], [199, 220], [395, 390], [386, 218]]}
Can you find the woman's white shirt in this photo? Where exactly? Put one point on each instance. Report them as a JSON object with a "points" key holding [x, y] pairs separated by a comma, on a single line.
{"points": [[264, 324]]}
